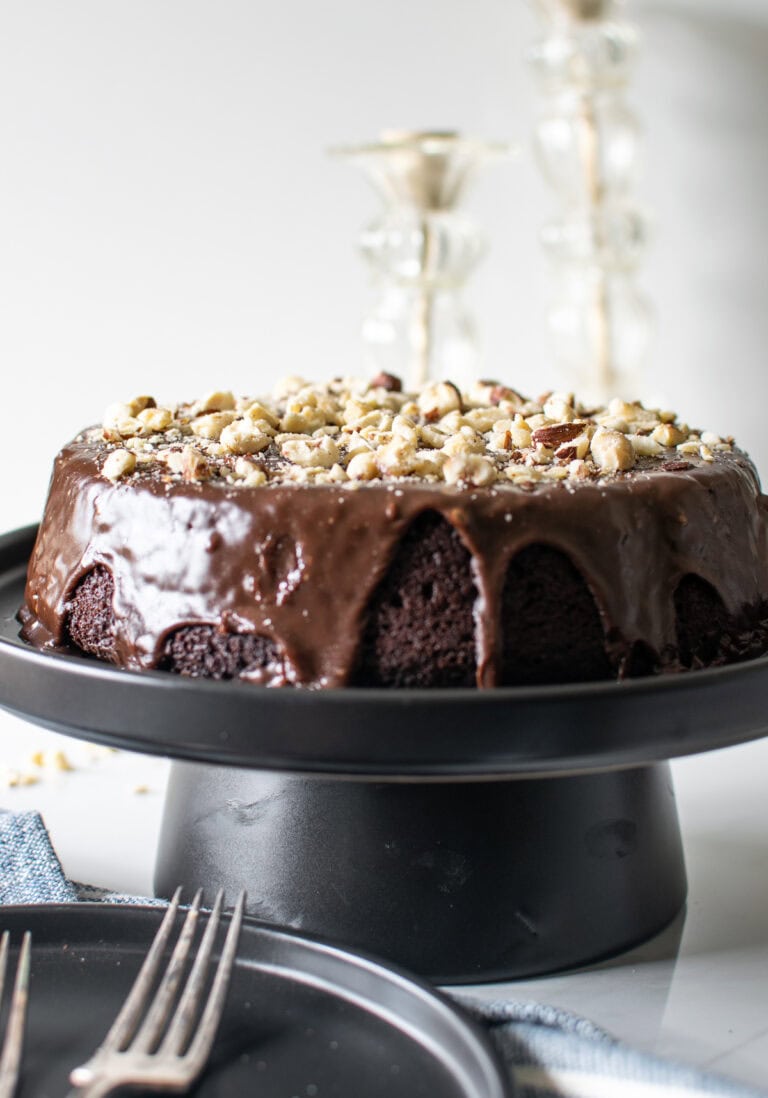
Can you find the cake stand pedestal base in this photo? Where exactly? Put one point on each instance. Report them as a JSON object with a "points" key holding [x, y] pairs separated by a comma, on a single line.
{"points": [[460, 881]]}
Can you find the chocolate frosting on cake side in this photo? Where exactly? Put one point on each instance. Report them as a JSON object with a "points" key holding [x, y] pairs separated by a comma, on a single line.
{"points": [[300, 563]]}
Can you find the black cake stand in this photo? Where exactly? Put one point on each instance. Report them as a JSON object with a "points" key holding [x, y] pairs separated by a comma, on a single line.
{"points": [[468, 835]]}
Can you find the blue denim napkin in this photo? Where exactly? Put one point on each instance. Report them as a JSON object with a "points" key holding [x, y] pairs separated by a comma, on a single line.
{"points": [[550, 1053]]}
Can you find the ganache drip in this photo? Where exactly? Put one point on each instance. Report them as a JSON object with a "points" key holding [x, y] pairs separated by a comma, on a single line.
{"points": [[301, 571]]}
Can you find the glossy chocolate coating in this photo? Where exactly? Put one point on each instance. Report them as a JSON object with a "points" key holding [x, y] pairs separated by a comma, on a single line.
{"points": [[299, 564]]}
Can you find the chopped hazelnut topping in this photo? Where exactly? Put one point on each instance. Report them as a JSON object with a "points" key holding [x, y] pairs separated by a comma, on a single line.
{"points": [[440, 398], [319, 453], [557, 434], [645, 445], [612, 451], [154, 420], [188, 462], [216, 402], [245, 437], [667, 435], [363, 466], [212, 424], [387, 381], [469, 469], [348, 431], [118, 464]]}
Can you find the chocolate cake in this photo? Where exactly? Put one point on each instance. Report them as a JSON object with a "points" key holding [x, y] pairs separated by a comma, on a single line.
{"points": [[353, 534]]}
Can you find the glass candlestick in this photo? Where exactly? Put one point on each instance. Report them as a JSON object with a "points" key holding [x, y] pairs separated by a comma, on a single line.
{"points": [[586, 141], [421, 250]]}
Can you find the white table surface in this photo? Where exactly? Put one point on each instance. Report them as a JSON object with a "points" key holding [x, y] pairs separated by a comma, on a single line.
{"points": [[697, 992]]}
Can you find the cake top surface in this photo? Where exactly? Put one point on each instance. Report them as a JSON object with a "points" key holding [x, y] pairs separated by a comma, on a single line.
{"points": [[347, 432]]}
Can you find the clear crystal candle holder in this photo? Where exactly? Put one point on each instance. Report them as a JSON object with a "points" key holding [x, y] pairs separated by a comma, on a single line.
{"points": [[420, 250], [587, 141]]}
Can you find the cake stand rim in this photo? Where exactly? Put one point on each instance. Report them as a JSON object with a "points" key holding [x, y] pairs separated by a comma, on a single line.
{"points": [[569, 739]]}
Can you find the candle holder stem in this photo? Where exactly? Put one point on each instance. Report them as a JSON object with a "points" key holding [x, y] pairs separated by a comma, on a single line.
{"points": [[586, 142], [421, 251]]}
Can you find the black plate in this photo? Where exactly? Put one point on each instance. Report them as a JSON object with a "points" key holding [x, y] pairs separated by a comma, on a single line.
{"points": [[302, 1018], [405, 733]]}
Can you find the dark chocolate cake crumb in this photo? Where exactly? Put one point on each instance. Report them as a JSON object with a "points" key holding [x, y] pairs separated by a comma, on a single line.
{"points": [[201, 651], [701, 621], [420, 627], [550, 623], [90, 618]]}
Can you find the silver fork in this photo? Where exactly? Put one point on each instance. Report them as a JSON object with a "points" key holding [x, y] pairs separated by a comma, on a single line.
{"points": [[10, 1061], [170, 1047]]}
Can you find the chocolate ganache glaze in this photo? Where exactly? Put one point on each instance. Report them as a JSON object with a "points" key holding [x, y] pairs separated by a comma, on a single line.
{"points": [[300, 563]]}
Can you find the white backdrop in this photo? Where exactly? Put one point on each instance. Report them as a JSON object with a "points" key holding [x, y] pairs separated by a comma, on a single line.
{"points": [[170, 221]]}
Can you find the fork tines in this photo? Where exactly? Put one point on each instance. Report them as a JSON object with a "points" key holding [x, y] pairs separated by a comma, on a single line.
{"points": [[163, 1033], [10, 1059]]}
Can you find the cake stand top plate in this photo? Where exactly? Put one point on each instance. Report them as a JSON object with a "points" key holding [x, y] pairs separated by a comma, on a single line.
{"points": [[394, 734]]}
